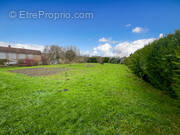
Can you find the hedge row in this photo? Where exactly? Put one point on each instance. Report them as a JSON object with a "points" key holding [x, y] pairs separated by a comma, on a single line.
{"points": [[112, 60], [159, 63]]}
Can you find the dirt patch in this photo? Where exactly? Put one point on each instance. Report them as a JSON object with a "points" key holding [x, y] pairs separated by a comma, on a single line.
{"points": [[89, 65], [39, 71]]}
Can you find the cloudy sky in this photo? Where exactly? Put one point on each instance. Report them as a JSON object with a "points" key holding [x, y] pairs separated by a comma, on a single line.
{"points": [[115, 28]]}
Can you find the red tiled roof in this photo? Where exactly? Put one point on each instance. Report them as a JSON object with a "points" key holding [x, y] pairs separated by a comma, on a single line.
{"points": [[19, 50]]}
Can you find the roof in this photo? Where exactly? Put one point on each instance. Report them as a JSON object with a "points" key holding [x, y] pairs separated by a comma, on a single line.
{"points": [[19, 50]]}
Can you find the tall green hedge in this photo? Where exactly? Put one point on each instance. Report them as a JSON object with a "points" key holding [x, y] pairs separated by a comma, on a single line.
{"points": [[158, 63], [176, 72]]}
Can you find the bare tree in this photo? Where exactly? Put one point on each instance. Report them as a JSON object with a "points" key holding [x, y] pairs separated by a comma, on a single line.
{"points": [[53, 53], [71, 53]]}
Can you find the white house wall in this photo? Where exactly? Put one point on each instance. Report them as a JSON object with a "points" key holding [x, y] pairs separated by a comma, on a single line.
{"points": [[12, 56], [22, 56], [2, 55], [30, 56]]}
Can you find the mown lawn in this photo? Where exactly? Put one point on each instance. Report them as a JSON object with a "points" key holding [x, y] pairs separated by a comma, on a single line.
{"points": [[84, 100]]}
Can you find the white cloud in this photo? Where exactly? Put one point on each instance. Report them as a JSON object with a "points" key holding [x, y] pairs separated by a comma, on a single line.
{"points": [[126, 48], [105, 47], [138, 30], [128, 25], [85, 53], [107, 40], [103, 39], [5, 44], [103, 50], [121, 49], [25, 46], [161, 35]]}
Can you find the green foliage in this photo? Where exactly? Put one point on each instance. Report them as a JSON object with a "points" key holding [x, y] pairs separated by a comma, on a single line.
{"points": [[155, 62], [92, 60], [105, 59], [111, 60], [176, 71], [99, 100], [114, 60], [2, 61]]}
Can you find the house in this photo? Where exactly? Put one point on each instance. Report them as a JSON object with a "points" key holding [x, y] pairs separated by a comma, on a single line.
{"points": [[14, 55]]}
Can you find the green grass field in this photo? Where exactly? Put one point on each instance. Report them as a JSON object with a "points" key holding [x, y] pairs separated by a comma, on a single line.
{"points": [[98, 100]]}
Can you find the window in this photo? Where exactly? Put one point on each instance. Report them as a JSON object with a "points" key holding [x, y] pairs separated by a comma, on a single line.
{"points": [[30, 56], [2, 55], [22, 56], [12, 55]]}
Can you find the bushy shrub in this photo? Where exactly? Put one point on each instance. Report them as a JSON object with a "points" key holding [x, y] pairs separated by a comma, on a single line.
{"points": [[81, 59], [92, 60], [114, 60], [27, 62], [102, 60], [156, 63], [105, 59], [3, 61]]}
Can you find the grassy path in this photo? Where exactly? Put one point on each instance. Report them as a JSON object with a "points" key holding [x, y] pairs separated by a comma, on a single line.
{"points": [[99, 100]]}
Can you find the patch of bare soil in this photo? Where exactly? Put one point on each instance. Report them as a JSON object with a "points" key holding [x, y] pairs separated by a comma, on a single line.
{"points": [[89, 65], [39, 71]]}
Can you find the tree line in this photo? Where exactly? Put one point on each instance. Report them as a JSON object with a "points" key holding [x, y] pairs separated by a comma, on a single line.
{"points": [[55, 54]]}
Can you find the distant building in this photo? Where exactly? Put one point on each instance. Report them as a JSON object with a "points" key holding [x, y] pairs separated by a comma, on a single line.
{"points": [[13, 55]]}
